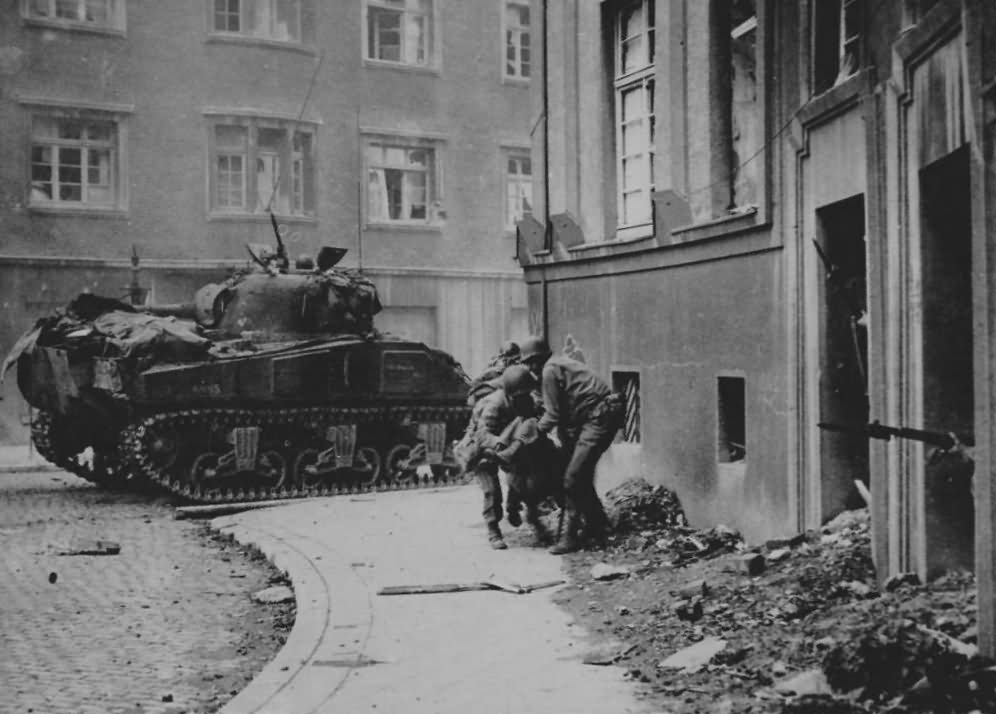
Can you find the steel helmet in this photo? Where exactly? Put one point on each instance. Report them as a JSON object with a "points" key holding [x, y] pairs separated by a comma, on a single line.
{"points": [[534, 347], [517, 378]]}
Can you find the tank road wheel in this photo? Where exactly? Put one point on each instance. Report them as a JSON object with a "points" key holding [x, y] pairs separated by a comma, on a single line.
{"points": [[163, 449], [397, 464], [303, 472], [272, 469], [204, 469], [367, 464]]}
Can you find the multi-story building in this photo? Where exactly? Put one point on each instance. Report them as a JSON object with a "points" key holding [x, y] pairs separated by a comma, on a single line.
{"points": [[761, 216], [398, 129]]}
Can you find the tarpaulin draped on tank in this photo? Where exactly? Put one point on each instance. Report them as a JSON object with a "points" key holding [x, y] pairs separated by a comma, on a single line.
{"points": [[139, 335], [350, 301]]}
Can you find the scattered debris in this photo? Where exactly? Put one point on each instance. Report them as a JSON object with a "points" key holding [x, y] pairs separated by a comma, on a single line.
{"points": [[812, 681], [749, 564], [90, 547], [167, 698], [604, 571], [607, 654], [777, 556], [52, 577], [899, 580], [513, 588], [278, 593], [693, 658], [690, 610]]}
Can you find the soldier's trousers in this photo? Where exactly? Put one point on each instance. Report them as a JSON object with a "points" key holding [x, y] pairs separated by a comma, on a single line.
{"points": [[486, 473], [585, 446]]}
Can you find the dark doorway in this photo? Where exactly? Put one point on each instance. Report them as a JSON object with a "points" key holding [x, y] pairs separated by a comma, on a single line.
{"points": [[948, 401], [843, 352]]}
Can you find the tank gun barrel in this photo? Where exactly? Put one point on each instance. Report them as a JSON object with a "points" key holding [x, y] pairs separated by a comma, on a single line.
{"points": [[184, 310]]}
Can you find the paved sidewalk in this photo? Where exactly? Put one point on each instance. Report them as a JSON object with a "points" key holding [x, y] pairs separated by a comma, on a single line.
{"points": [[21, 459], [353, 651]]}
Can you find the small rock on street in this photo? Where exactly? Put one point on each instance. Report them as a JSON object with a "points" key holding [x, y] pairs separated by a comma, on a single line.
{"points": [[167, 625]]}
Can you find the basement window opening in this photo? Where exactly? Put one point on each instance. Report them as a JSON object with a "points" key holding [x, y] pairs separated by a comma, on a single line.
{"points": [[627, 384], [732, 420]]}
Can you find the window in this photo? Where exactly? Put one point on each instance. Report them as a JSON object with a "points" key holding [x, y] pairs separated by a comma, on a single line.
{"points": [[732, 417], [518, 188], [107, 14], [634, 94], [259, 165], [836, 41], [400, 31], [278, 20], [74, 161], [746, 125], [628, 385], [401, 181], [518, 51]]}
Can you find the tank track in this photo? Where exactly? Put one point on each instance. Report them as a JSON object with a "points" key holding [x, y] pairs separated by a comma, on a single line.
{"points": [[140, 437], [107, 470]]}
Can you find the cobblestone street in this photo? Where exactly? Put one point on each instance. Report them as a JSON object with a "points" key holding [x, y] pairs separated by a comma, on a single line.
{"points": [[166, 625]]}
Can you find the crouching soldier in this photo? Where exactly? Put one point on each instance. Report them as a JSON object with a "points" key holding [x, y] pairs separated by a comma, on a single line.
{"points": [[490, 378], [478, 449], [535, 468], [583, 413]]}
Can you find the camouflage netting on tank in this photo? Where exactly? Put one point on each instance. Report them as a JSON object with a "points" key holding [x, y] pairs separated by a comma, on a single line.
{"points": [[95, 326]]}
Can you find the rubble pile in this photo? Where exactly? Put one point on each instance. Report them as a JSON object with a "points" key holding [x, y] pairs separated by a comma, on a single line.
{"points": [[804, 623], [904, 663], [636, 505]]}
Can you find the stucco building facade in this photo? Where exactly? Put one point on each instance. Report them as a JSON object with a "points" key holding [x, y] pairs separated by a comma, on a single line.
{"points": [[397, 130], [762, 216]]}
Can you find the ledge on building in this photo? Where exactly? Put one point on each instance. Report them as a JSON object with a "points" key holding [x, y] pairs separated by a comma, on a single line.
{"points": [[838, 99], [266, 42], [745, 219], [70, 26], [401, 67], [404, 227], [259, 218], [117, 214]]}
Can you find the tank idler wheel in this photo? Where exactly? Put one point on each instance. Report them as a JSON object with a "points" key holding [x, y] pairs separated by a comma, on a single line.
{"points": [[205, 468], [304, 477], [367, 465], [397, 464]]}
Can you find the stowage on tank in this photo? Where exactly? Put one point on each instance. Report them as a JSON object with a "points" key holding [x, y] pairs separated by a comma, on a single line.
{"points": [[273, 384]]}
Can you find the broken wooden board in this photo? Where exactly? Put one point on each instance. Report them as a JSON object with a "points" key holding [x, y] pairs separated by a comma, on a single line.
{"points": [[90, 547], [513, 588]]}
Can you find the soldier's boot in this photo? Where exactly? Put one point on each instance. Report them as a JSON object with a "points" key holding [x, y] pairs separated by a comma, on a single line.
{"points": [[568, 542], [494, 537], [541, 535]]}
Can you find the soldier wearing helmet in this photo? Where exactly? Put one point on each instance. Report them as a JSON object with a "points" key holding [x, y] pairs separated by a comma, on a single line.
{"points": [[488, 380], [583, 413], [488, 435]]}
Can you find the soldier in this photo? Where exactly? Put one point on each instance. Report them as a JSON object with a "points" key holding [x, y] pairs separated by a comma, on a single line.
{"points": [[488, 435], [488, 380], [583, 414]]}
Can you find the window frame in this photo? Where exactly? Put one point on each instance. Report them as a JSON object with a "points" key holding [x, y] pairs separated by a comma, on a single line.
{"points": [[506, 27], [510, 153], [115, 23], [432, 49], [820, 83], [643, 78], [117, 165], [286, 206], [434, 183], [246, 10]]}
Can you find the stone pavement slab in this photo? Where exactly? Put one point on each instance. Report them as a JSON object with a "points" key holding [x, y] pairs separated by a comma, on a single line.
{"points": [[21, 459], [352, 651]]}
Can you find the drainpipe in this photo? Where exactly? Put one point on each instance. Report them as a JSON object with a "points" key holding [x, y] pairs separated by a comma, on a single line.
{"points": [[547, 228]]}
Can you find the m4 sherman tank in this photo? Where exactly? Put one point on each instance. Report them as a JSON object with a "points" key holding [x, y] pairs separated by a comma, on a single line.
{"points": [[273, 384]]}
